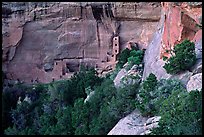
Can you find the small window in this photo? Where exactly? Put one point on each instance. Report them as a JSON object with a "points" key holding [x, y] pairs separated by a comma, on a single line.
{"points": [[56, 63], [63, 71], [116, 51], [115, 38], [116, 44]]}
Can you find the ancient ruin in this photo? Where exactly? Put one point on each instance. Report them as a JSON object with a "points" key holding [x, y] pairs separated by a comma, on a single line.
{"points": [[44, 41]]}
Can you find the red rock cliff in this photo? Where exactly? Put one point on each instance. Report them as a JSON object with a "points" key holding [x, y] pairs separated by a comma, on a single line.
{"points": [[179, 21], [47, 40]]}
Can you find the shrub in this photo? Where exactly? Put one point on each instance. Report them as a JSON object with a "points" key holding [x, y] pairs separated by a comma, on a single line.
{"points": [[133, 56], [181, 114], [123, 58], [90, 115], [76, 86], [80, 117], [150, 83], [125, 100], [144, 96], [152, 93], [130, 80], [136, 57], [137, 53], [183, 58], [9, 102], [165, 58], [163, 89], [64, 121], [108, 105]]}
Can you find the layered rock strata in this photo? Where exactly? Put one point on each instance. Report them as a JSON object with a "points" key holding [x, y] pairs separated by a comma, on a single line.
{"points": [[46, 41], [179, 21]]}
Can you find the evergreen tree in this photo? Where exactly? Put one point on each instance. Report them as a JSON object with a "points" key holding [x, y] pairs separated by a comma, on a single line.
{"points": [[183, 58]]}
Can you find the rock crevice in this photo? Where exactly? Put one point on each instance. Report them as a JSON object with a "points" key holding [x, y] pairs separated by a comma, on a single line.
{"points": [[80, 32]]}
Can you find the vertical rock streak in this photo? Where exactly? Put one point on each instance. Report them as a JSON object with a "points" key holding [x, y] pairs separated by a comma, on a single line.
{"points": [[68, 32]]}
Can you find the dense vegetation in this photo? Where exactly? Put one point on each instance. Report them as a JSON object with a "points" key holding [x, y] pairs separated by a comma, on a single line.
{"points": [[60, 107], [183, 57], [90, 105], [181, 114], [123, 57], [180, 111], [133, 56], [136, 57], [152, 93]]}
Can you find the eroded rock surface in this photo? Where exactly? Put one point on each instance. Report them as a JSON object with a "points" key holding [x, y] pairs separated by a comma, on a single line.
{"points": [[195, 82], [135, 124], [128, 77], [178, 21], [39, 33]]}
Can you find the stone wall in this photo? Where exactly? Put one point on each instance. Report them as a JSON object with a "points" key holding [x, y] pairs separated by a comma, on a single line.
{"points": [[37, 33]]}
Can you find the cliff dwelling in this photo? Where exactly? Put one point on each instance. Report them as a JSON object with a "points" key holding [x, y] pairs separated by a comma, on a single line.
{"points": [[50, 41]]}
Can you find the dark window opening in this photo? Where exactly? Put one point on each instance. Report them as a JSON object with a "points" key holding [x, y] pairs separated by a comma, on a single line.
{"points": [[72, 67], [63, 71], [97, 12], [116, 44], [96, 66], [116, 51]]}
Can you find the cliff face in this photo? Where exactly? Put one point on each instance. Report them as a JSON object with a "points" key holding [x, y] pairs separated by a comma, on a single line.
{"points": [[45, 41], [49, 40], [178, 21]]}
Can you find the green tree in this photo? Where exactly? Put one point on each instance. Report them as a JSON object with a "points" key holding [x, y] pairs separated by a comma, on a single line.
{"points": [[64, 121], [181, 114], [145, 95], [21, 119], [184, 57], [80, 117], [123, 58], [150, 83], [136, 57]]}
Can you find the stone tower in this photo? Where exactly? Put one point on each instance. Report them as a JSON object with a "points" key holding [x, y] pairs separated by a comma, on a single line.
{"points": [[115, 51]]}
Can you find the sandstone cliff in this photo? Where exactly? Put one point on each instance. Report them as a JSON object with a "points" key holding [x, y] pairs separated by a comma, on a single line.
{"points": [[49, 40], [178, 21]]}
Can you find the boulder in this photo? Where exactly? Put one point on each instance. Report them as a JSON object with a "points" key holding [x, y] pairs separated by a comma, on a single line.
{"points": [[89, 96], [135, 124], [130, 77], [198, 44], [183, 76], [195, 82], [197, 68], [119, 76], [48, 67]]}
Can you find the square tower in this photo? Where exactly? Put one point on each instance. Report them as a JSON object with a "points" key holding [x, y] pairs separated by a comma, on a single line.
{"points": [[115, 51]]}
